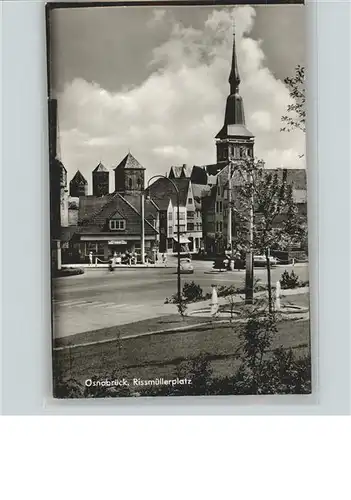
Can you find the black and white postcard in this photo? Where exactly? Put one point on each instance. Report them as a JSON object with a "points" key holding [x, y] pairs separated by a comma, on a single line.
{"points": [[179, 235]]}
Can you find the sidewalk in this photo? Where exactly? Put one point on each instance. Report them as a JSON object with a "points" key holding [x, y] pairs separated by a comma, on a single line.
{"points": [[118, 266], [194, 306]]}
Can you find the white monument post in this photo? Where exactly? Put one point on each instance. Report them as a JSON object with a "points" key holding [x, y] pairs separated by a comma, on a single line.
{"points": [[277, 296], [214, 301]]}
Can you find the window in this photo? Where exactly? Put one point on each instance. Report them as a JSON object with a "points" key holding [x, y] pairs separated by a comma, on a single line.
{"points": [[170, 216], [100, 247], [217, 206], [217, 226], [219, 190], [90, 246], [117, 224], [190, 201], [190, 226], [152, 221], [181, 216], [130, 183], [190, 215], [170, 230], [220, 226]]}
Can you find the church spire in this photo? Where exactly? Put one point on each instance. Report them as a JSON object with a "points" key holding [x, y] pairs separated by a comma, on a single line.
{"points": [[234, 118], [234, 137], [234, 77]]}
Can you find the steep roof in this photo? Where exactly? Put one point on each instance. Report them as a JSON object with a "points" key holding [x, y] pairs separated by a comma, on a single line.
{"points": [[113, 203], [130, 162], [79, 178], [162, 190], [176, 171], [149, 211], [100, 168], [198, 175], [89, 205]]}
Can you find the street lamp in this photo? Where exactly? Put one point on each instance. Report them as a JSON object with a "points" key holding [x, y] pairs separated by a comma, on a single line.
{"points": [[178, 226]]}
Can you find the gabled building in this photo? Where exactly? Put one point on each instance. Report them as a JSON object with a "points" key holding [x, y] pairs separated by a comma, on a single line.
{"points": [[164, 195], [113, 223]]}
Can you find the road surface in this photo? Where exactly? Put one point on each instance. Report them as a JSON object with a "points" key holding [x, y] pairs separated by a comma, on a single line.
{"points": [[100, 298]]}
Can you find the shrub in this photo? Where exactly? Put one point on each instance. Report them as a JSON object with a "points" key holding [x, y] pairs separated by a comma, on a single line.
{"points": [[224, 291], [289, 280], [192, 292]]}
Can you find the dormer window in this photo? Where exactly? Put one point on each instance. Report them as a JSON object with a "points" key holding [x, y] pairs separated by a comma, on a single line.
{"points": [[117, 224], [190, 201]]}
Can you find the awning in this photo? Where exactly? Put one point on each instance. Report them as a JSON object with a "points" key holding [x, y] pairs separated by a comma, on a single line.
{"points": [[183, 239]]}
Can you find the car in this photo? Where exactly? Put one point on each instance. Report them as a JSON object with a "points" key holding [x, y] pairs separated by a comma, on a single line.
{"points": [[186, 266], [261, 260]]}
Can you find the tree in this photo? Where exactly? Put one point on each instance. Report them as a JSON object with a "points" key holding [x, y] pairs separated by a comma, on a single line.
{"points": [[296, 111], [265, 212]]}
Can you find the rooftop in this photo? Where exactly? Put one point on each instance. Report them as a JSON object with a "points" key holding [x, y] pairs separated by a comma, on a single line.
{"points": [[130, 162]]}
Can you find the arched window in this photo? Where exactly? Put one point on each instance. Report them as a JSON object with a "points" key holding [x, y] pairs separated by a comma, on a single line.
{"points": [[130, 183]]}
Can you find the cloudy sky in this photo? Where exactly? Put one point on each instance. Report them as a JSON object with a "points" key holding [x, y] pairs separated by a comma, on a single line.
{"points": [[155, 81]]}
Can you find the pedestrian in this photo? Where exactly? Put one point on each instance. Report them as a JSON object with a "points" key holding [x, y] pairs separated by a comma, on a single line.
{"points": [[214, 302], [90, 258], [237, 260], [164, 259]]}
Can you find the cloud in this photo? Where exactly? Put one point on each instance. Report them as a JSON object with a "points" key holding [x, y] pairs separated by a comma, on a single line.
{"points": [[158, 15], [174, 115]]}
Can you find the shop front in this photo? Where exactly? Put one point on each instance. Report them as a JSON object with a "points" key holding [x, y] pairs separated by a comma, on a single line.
{"points": [[104, 247]]}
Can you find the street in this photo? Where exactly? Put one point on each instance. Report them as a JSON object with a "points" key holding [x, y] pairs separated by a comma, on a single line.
{"points": [[100, 298]]}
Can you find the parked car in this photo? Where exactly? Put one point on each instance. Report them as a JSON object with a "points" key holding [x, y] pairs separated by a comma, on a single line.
{"points": [[261, 261], [186, 266]]}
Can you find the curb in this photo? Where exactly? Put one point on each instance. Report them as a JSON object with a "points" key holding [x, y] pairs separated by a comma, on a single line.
{"points": [[161, 332]]}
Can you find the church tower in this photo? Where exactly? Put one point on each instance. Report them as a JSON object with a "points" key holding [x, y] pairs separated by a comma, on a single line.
{"points": [[101, 180], [129, 176], [78, 186], [234, 140]]}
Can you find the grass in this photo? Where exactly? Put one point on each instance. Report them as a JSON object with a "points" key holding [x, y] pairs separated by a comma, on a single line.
{"points": [[149, 325], [160, 355]]}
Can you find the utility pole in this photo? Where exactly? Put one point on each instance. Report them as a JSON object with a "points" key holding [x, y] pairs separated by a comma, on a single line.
{"points": [[249, 277], [178, 267], [142, 213], [179, 289]]}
